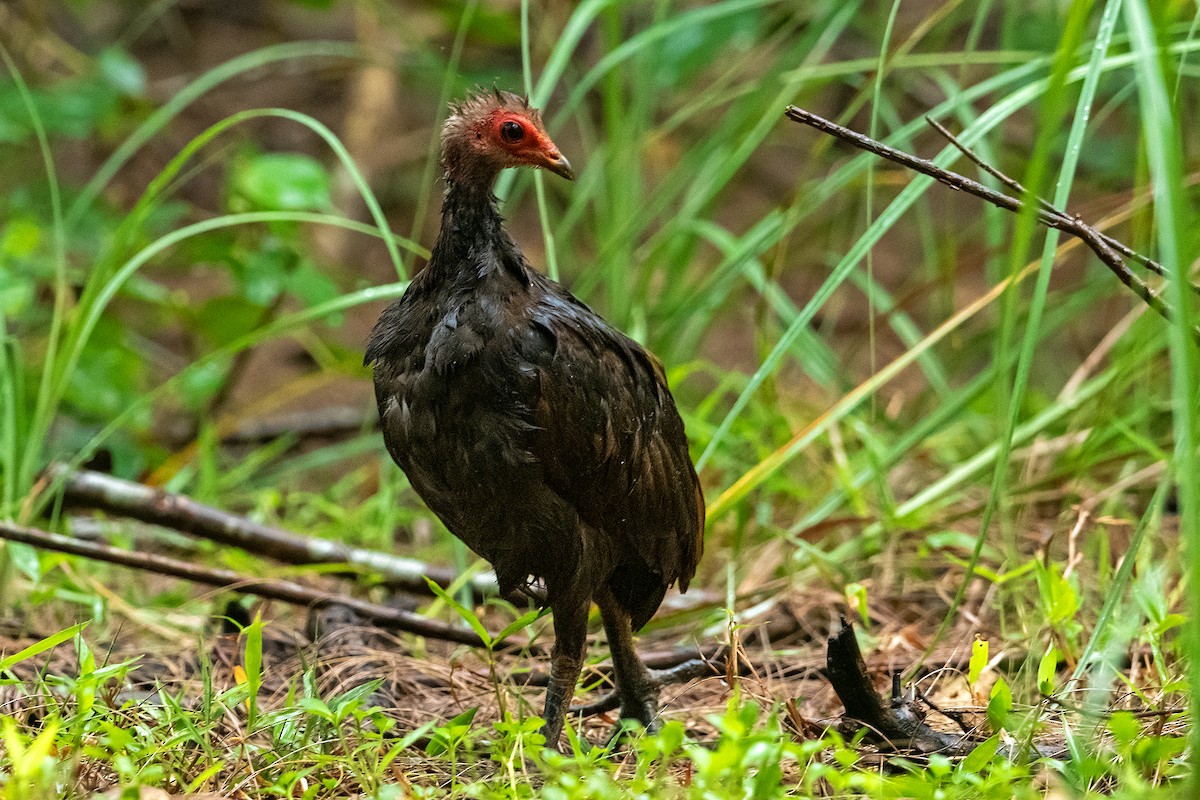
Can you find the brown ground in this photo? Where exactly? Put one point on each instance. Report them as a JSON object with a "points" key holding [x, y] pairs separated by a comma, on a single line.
{"points": [[781, 660]]}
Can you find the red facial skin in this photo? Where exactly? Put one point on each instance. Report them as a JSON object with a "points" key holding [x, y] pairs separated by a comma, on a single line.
{"points": [[534, 147]]}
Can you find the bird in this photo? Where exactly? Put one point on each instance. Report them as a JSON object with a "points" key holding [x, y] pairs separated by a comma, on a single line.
{"points": [[542, 437]]}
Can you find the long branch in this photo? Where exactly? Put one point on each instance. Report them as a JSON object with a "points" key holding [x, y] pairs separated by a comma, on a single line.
{"points": [[175, 511], [1107, 253], [268, 588]]}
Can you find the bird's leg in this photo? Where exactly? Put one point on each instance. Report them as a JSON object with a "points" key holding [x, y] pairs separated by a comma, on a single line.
{"points": [[566, 661], [636, 686]]}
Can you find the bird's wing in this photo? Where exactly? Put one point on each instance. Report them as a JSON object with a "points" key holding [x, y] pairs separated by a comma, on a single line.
{"points": [[611, 441]]}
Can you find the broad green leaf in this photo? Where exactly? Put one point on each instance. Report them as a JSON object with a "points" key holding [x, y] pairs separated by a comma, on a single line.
{"points": [[122, 72], [20, 238], [999, 705], [979, 660], [281, 182], [1124, 727], [222, 320], [1047, 669], [263, 274], [520, 623], [313, 286], [974, 762]]}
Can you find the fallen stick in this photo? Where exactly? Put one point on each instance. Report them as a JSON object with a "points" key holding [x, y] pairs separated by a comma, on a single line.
{"points": [[899, 723], [267, 588], [1105, 247], [157, 507]]}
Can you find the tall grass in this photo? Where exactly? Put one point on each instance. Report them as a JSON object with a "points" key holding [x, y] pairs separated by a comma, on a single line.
{"points": [[71, 327]]}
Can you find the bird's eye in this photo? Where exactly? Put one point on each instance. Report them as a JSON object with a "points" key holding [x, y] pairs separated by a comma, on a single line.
{"points": [[512, 131]]}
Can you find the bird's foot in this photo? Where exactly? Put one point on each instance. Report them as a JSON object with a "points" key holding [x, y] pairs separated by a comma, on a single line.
{"points": [[682, 673], [657, 679], [639, 712]]}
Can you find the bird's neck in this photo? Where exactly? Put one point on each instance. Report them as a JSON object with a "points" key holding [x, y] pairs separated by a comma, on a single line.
{"points": [[472, 232]]}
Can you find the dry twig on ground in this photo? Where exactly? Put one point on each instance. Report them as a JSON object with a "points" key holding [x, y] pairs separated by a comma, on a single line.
{"points": [[269, 588]]}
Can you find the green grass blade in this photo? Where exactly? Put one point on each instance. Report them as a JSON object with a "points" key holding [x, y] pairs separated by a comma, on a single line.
{"points": [[189, 94], [37, 648], [22, 475]]}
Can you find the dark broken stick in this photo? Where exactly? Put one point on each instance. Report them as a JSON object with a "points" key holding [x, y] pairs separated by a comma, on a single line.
{"points": [[1073, 226], [267, 588], [900, 723], [157, 507]]}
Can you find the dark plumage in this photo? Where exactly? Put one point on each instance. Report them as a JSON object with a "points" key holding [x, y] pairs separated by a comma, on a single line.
{"points": [[540, 435]]}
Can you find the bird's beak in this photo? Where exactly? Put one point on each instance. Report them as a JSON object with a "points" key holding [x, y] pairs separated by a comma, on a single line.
{"points": [[557, 163]]}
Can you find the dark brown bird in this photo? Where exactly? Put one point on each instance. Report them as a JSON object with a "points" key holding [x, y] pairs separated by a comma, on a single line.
{"points": [[540, 435]]}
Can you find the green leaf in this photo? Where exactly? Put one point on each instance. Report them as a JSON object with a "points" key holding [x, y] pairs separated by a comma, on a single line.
{"points": [[252, 655], [979, 660], [1125, 727], [1168, 622], [1059, 597], [197, 386], [521, 622], [109, 376], [999, 704], [25, 558], [49, 643], [263, 275], [467, 615], [974, 762], [16, 294], [282, 182], [21, 237], [856, 598], [1153, 752], [1047, 669], [312, 286], [122, 72], [444, 736], [691, 49], [222, 320], [252, 661]]}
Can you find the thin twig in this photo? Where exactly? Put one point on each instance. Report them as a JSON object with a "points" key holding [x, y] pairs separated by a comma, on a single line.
{"points": [[175, 511], [1098, 242], [1015, 185], [268, 588], [974, 158]]}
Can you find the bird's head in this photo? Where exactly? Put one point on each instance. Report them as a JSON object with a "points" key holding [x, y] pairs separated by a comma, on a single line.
{"points": [[494, 130]]}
